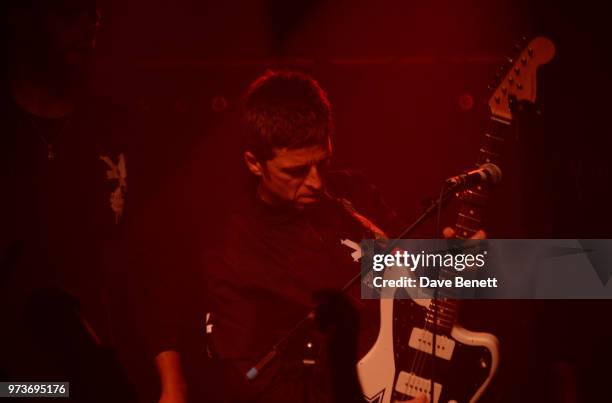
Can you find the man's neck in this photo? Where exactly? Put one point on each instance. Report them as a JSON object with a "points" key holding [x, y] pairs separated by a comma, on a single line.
{"points": [[41, 98]]}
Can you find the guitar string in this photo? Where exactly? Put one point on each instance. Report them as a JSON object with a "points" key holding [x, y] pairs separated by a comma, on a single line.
{"points": [[420, 359], [429, 328]]}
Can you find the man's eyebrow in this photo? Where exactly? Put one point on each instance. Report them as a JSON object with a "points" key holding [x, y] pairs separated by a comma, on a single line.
{"points": [[291, 167], [309, 163]]}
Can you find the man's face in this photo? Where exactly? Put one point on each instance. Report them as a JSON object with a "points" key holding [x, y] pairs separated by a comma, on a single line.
{"points": [[294, 177]]}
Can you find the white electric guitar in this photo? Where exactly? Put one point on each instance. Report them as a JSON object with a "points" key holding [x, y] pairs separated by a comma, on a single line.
{"points": [[401, 363]]}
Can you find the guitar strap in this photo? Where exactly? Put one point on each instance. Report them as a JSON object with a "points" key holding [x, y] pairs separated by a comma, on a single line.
{"points": [[363, 221]]}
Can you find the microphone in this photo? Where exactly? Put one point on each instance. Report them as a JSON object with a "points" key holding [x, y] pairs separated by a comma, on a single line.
{"points": [[486, 173]]}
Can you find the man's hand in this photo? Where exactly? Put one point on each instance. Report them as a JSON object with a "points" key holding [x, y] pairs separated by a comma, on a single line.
{"points": [[448, 232], [174, 389]]}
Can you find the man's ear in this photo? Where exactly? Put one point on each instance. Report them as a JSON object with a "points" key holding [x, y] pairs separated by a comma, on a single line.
{"points": [[253, 163]]}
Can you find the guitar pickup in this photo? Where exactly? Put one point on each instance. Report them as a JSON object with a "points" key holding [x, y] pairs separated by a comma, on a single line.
{"points": [[413, 385], [422, 340]]}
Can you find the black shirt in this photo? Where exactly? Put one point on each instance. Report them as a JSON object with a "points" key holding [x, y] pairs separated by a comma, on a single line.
{"points": [[271, 264]]}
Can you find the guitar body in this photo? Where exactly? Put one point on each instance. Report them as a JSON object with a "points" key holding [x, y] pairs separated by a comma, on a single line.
{"points": [[401, 365]]}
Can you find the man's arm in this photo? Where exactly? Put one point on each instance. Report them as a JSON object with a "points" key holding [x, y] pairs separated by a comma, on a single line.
{"points": [[173, 386]]}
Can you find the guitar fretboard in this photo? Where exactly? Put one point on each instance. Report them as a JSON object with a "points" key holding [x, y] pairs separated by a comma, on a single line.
{"points": [[443, 312], [473, 201]]}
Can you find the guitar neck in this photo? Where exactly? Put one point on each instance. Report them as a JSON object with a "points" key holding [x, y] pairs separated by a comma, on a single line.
{"points": [[474, 200], [442, 314], [443, 311]]}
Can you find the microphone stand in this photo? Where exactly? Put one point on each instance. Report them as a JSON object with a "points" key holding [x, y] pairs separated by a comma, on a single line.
{"points": [[435, 204]]}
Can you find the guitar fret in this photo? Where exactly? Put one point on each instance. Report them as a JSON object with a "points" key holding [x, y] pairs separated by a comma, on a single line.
{"points": [[473, 197], [490, 153], [469, 218], [440, 315], [490, 136], [466, 228], [442, 310], [478, 193], [470, 211], [444, 324], [499, 120], [439, 319], [462, 224]]}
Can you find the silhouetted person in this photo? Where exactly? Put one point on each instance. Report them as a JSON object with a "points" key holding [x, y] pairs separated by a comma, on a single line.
{"points": [[64, 177]]}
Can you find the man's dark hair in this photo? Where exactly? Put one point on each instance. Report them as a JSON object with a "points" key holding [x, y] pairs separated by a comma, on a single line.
{"points": [[285, 109]]}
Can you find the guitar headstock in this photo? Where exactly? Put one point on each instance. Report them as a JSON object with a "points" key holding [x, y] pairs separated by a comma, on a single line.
{"points": [[519, 82]]}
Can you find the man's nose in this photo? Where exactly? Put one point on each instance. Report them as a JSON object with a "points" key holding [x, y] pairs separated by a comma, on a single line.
{"points": [[314, 180]]}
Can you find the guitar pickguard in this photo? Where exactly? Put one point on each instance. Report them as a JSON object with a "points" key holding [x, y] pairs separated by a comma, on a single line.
{"points": [[401, 363]]}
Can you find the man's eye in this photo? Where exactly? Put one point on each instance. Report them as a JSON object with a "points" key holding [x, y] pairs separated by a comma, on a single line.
{"points": [[297, 172]]}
